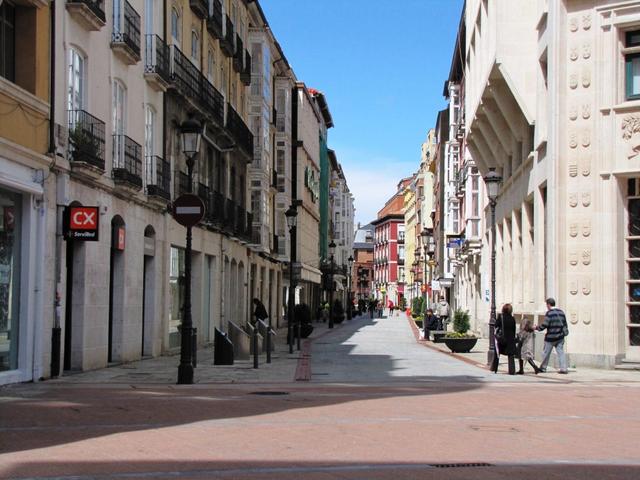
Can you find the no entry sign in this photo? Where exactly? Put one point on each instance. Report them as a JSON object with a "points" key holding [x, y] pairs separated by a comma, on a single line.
{"points": [[188, 210], [82, 223]]}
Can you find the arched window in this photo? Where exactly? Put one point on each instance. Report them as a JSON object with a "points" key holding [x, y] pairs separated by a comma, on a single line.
{"points": [[195, 50], [175, 26]]}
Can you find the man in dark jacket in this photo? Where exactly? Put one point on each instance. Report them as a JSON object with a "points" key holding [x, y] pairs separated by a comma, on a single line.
{"points": [[260, 312], [555, 323]]}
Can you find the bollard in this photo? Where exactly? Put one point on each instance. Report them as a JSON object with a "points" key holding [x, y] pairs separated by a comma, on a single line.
{"points": [[56, 334], [269, 341], [298, 333], [255, 345]]}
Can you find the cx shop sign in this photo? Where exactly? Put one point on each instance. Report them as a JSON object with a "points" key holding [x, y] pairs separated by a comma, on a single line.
{"points": [[82, 223]]}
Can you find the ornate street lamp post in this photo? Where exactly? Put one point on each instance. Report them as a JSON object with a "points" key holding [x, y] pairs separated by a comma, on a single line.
{"points": [[332, 251], [349, 300], [191, 136], [292, 220], [428, 246], [492, 180]]}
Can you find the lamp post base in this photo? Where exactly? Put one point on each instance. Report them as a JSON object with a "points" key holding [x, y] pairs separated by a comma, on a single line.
{"points": [[491, 355], [185, 374]]}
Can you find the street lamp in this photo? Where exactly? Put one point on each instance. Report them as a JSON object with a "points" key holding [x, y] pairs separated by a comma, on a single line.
{"points": [[492, 180], [332, 251], [190, 135], [292, 220], [429, 247], [349, 301]]}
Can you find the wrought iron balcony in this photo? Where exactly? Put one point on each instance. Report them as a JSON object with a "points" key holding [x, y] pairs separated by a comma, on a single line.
{"points": [[245, 75], [127, 162], [227, 44], [181, 183], [200, 8], [157, 66], [158, 177], [241, 134], [274, 248], [249, 227], [214, 22], [86, 138], [238, 57], [125, 39], [212, 101], [229, 215], [240, 221], [204, 193], [215, 208], [89, 13], [185, 76]]}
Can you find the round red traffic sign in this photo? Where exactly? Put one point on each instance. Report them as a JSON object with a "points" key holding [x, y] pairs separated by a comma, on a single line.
{"points": [[188, 210]]}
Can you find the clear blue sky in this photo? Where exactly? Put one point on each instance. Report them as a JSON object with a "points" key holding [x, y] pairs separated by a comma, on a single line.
{"points": [[382, 65]]}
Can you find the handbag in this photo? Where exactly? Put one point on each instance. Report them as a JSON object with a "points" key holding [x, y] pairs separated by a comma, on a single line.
{"points": [[498, 331]]}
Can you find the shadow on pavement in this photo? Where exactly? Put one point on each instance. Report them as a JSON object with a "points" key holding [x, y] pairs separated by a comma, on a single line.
{"points": [[246, 470], [42, 415]]}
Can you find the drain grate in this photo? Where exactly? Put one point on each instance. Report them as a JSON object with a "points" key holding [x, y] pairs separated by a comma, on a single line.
{"points": [[270, 392], [459, 465]]}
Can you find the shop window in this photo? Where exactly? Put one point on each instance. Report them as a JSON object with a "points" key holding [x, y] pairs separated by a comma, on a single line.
{"points": [[10, 215]]}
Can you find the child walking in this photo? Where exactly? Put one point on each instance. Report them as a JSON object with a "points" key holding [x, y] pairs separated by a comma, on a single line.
{"points": [[525, 341]]}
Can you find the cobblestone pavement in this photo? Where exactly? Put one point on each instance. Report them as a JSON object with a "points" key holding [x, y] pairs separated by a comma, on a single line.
{"points": [[375, 404]]}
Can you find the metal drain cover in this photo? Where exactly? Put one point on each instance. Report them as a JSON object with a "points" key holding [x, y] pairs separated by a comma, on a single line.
{"points": [[459, 465], [270, 392]]}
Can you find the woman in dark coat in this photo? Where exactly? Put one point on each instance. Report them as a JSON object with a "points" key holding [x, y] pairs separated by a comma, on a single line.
{"points": [[505, 336]]}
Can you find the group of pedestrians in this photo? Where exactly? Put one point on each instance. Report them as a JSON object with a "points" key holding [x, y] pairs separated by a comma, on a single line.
{"points": [[521, 346]]}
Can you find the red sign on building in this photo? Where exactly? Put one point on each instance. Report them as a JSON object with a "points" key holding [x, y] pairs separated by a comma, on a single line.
{"points": [[82, 223]]}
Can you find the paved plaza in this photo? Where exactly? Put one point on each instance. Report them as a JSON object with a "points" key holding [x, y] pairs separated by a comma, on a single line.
{"points": [[366, 400]]}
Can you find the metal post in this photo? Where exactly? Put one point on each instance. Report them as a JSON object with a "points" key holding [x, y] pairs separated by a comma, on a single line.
{"points": [[298, 327], [492, 315], [331, 293], [290, 301], [255, 344], [349, 301], [269, 340]]}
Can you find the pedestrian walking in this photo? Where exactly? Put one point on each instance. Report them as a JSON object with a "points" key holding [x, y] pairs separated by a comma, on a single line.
{"points": [[525, 347], [259, 312], [379, 308], [390, 307], [442, 309], [555, 324], [429, 323], [372, 306], [505, 339]]}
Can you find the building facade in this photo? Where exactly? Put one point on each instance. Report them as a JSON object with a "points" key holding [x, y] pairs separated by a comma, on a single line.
{"points": [[362, 274]]}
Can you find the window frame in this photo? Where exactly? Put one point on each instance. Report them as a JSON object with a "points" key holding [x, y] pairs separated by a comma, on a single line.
{"points": [[81, 72], [631, 52], [176, 36], [4, 10]]}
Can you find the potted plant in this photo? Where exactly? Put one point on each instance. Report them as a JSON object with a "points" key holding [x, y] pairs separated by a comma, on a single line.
{"points": [[85, 147], [459, 341]]}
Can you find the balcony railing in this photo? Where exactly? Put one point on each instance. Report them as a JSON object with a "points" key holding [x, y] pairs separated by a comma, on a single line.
{"points": [[238, 57], [156, 58], [227, 44], [240, 221], [127, 161], [229, 215], [200, 8], [158, 177], [126, 28], [239, 130], [214, 22], [212, 101], [215, 208], [245, 75], [181, 183], [204, 193], [185, 76], [86, 137]]}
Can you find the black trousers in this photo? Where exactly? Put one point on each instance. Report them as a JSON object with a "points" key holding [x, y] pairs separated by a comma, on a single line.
{"points": [[511, 362]]}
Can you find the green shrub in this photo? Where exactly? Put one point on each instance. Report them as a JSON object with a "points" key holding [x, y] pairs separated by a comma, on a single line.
{"points": [[416, 307], [461, 323]]}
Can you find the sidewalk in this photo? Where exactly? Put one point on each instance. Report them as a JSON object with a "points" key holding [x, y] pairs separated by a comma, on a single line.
{"points": [[478, 357]]}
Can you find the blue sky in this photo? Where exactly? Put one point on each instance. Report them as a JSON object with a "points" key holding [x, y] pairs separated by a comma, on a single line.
{"points": [[382, 66]]}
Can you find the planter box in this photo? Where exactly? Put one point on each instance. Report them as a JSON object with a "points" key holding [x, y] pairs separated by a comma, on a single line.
{"points": [[460, 345], [438, 336]]}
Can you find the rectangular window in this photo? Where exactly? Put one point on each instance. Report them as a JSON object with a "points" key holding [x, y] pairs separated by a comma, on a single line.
{"points": [[8, 41], [76, 86], [632, 65]]}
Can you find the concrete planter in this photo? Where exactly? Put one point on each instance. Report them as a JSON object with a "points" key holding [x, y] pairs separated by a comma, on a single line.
{"points": [[460, 345]]}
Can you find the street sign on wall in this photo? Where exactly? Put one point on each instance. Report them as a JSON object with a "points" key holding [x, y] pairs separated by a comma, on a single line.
{"points": [[81, 223]]}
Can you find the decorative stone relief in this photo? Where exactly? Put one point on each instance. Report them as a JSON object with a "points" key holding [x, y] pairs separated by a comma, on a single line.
{"points": [[586, 317], [573, 168], [573, 81], [573, 24], [586, 138], [573, 112], [630, 128], [586, 199], [586, 78], [586, 111], [586, 285], [573, 317], [586, 259], [573, 287], [586, 228], [573, 260], [586, 51], [585, 165], [573, 140], [573, 229], [586, 21], [573, 54], [573, 199]]}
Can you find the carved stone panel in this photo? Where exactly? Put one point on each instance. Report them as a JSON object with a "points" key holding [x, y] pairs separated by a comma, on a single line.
{"points": [[586, 228], [573, 24], [573, 287], [586, 51], [586, 78], [573, 229], [573, 317], [573, 54], [585, 315], [586, 199], [586, 138], [585, 165], [586, 285], [573, 81], [573, 112], [573, 199], [586, 111], [630, 129], [573, 140], [573, 260], [586, 257], [586, 21]]}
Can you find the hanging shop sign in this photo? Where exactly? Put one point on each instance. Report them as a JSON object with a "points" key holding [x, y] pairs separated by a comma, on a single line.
{"points": [[81, 223], [118, 238]]}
